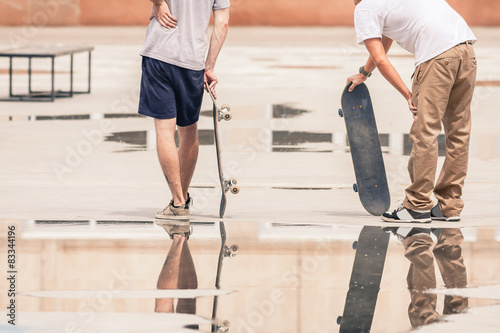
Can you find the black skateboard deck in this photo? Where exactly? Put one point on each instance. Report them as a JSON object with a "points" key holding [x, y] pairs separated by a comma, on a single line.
{"points": [[225, 251], [225, 184], [371, 250], [362, 134]]}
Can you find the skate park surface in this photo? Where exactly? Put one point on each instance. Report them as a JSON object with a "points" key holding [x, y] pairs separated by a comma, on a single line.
{"points": [[81, 183]]}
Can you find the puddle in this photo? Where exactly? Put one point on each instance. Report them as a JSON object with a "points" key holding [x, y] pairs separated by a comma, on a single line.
{"points": [[5, 71], [278, 111], [144, 140], [279, 141], [120, 268], [287, 138], [71, 117], [304, 142], [286, 111]]}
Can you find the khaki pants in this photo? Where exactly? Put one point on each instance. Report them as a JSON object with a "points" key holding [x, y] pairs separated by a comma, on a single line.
{"points": [[442, 92], [422, 277]]}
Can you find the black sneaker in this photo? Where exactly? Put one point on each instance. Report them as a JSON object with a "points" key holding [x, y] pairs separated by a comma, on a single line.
{"points": [[436, 215], [405, 215], [189, 201]]}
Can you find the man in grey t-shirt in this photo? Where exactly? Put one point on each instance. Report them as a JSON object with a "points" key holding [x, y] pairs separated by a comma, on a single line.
{"points": [[174, 69]]}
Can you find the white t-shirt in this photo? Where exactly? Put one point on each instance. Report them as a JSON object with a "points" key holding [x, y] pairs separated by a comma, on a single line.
{"points": [[426, 28], [186, 45]]}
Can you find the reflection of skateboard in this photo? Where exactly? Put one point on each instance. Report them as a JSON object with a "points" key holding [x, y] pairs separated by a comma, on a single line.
{"points": [[371, 180], [225, 251], [225, 184], [371, 249]]}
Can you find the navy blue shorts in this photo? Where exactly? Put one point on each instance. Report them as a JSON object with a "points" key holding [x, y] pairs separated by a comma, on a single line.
{"points": [[169, 91]]}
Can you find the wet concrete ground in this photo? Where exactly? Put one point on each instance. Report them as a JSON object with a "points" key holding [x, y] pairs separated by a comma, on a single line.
{"points": [[81, 183]]}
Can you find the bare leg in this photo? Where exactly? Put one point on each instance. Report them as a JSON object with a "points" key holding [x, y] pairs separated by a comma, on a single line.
{"points": [[187, 280], [169, 157], [169, 275], [188, 154]]}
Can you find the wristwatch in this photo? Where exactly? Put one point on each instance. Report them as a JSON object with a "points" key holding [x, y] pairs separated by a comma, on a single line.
{"points": [[365, 73]]}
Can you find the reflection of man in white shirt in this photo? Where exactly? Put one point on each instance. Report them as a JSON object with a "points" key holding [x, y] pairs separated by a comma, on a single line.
{"points": [[443, 85]]}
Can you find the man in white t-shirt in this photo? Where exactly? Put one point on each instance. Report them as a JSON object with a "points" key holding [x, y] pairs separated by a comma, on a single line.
{"points": [[443, 85], [174, 69]]}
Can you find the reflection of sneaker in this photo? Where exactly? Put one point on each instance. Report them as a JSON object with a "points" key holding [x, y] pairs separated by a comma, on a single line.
{"points": [[172, 212], [436, 215], [182, 228], [405, 215]]}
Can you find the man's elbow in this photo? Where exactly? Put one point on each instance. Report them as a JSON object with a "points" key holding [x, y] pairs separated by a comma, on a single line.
{"points": [[380, 61], [222, 24]]}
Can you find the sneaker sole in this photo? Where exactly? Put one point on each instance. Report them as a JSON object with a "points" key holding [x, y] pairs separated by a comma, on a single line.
{"points": [[172, 217], [446, 219], [388, 219]]}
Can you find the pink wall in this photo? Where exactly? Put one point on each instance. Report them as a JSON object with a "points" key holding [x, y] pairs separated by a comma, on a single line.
{"points": [[243, 12]]}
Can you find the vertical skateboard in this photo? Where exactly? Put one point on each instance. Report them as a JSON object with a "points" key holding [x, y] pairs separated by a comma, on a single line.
{"points": [[225, 184], [225, 251], [366, 153], [371, 250]]}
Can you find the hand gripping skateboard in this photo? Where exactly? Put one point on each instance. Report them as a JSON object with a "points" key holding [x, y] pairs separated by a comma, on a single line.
{"points": [[362, 134], [225, 251], [371, 250], [225, 184]]}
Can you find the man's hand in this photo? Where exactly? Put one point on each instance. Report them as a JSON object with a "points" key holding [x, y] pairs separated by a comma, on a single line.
{"points": [[356, 80], [163, 15], [412, 107], [211, 79]]}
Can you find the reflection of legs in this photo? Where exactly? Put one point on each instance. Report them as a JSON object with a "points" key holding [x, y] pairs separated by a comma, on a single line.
{"points": [[188, 154], [421, 277], [169, 275], [169, 157], [187, 280], [448, 253]]}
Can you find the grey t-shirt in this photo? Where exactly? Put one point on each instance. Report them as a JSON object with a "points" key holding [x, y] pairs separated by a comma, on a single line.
{"points": [[186, 45]]}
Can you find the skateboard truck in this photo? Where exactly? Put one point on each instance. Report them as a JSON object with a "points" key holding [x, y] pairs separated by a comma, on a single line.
{"points": [[226, 115], [224, 112], [230, 185], [222, 327], [230, 251]]}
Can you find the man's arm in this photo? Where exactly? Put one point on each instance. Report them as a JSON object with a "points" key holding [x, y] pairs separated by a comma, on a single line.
{"points": [[369, 66], [162, 14], [219, 33], [378, 58]]}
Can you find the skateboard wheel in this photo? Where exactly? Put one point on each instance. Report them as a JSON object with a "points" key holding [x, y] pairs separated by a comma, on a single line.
{"points": [[227, 116], [355, 245], [233, 181], [355, 187], [339, 320], [341, 113], [235, 189], [226, 107], [234, 248], [225, 324]]}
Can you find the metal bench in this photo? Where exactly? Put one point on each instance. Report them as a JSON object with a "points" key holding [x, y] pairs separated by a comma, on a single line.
{"points": [[47, 51]]}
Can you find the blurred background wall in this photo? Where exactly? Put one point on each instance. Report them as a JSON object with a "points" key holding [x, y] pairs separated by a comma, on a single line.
{"points": [[243, 12]]}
